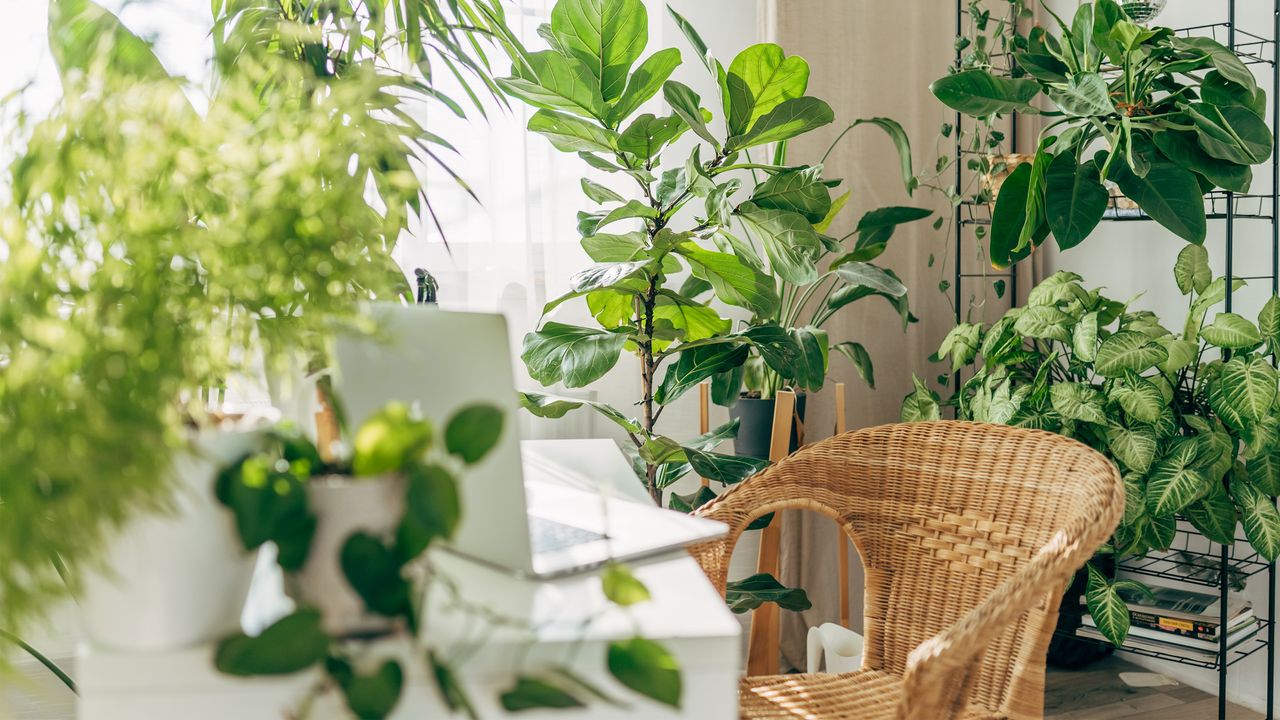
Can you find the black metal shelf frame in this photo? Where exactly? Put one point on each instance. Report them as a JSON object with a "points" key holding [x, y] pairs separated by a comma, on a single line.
{"points": [[1253, 49]]}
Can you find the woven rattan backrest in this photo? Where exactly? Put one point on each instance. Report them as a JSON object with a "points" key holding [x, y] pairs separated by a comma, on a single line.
{"points": [[942, 513]]}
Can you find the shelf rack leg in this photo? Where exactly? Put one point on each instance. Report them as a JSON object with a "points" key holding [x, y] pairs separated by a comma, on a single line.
{"points": [[1275, 289]]}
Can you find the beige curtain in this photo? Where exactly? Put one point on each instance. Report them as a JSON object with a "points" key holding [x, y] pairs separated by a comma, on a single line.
{"points": [[874, 58]]}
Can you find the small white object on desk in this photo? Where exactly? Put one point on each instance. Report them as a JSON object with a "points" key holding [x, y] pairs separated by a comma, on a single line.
{"points": [[685, 614]]}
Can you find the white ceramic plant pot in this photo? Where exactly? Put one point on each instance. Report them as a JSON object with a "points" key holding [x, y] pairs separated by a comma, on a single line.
{"points": [[344, 506], [837, 647], [178, 579]]}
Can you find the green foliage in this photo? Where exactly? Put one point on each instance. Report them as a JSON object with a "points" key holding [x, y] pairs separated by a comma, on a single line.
{"points": [[1182, 115], [647, 668], [1189, 420], [751, 592]]}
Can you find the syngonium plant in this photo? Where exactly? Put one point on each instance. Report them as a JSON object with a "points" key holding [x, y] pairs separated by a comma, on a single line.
{"points": [[1166, 118], [1190, 418], [589, 98]]}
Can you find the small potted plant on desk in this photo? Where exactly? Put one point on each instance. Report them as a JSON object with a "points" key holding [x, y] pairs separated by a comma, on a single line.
{"points": [[351, 530]]}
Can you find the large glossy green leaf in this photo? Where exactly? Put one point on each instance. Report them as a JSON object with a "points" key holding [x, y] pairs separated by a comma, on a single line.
{"points": [[433, 509], [978, 92], [371, 696], [697, 364], [1264, 473], [1009, 217], [607, 36], [1042, 66], [734, 281], [1183, 148], [84, 36], [778, 347], [556, 82], [1173, 482], [1233, 133], [570, 133], [647, 668], [1083, 95], [700, 47], [647, 135], [686, 103], [1243, 391], [861, 360], [1108, 610], [1128, 352], [753, 591], [1168, 193], [1231, 331], [1074, 199], [769, 77], [1216, 89], [1259, 517], [372, 569], [788, 239], [800, 191], [644, 83], [901, 143], [607, 248], [573, 355], [292, 643], [875, 229], [1227, 63], [871, 277], [695, 320], [789, 119], [810, 373]]}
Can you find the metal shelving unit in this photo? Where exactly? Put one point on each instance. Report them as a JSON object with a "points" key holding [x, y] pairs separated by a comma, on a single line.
{"points": [[1193, 559]]}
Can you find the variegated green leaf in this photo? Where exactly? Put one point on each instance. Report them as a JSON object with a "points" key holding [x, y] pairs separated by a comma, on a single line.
{"points": [[1264, 473], [1138, 397], [1108, 609], [1078, 401], [1135, 448], [1231, 331], [1191, 271], [1243, 391], [1084, 338], [1128, 351], [1044, 322], [1173, 482], [921, 405], [1259, 517]]}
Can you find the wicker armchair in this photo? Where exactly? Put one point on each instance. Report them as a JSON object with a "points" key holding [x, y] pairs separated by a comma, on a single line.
{"points": [[968, 534]]}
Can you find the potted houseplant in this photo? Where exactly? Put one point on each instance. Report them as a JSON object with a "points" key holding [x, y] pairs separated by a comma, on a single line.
{"points": [[809, 301], [1177, 117], [1190, 418], [351, 534], [147, 244]]}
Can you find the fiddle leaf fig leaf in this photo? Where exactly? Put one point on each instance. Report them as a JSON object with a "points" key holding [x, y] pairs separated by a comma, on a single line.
{"points": [[685, 103], [789, 240], [695, 365], [569, 133], [573, 355], [644, 83], [647, 668], [789, 119], [599, 194], [550, 406], [556, 82], [977, 93], [801, 191], [769, 78], [735, 282], [606, 36], [647, 135], [1128, 352]]}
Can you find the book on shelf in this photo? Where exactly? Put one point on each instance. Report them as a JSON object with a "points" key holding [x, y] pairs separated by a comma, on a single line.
{"points": [[1199, 653], [1184, 612], [1237, 633]]}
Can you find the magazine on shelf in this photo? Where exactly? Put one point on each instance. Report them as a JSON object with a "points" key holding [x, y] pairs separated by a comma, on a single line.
{"points": [[1183, 612]]}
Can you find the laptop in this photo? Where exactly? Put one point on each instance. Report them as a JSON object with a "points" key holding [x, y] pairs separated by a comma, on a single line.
{"points": [[540, 514]]}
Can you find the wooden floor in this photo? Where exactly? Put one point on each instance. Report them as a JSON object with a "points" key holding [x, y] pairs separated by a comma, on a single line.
{"points": [[1098, 694], [1093, 694]]}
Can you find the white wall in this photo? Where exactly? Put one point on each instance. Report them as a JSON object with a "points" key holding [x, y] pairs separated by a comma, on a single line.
{"points": [[1136, 258]]}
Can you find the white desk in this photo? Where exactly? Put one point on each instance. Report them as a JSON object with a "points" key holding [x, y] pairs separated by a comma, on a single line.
{"points": [[685, 614]]}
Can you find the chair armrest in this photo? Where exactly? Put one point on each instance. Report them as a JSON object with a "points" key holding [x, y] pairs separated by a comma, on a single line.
{"points": [[940, 670]]}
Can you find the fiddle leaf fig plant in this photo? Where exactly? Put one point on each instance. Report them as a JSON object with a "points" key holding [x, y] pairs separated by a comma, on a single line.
{"points": [[701, 218], [1165, 118], [1189, 418]]}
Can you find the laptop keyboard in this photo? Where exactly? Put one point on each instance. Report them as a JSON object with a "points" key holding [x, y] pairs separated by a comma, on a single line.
{"points": [[549, 536]]}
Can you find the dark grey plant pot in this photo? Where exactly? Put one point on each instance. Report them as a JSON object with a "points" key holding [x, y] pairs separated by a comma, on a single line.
{"points": [[756, 425]]}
